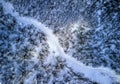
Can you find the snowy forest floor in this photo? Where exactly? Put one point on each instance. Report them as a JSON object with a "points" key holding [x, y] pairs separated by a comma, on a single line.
{"points": [[100, 75]]}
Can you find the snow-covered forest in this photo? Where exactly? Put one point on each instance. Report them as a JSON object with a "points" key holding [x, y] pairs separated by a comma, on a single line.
{"points": [[59, 42]]}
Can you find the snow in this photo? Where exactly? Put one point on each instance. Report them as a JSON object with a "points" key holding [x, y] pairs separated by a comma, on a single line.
{"points": [[99, 13], [74, 27], [50, 81], [101, 75], [8, 8], [30, 78]]}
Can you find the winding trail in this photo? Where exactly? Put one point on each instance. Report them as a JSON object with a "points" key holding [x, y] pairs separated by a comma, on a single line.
{"points": [[101, 75]]}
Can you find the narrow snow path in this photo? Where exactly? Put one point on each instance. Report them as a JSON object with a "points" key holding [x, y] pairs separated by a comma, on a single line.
{"points": [[101, 75]]}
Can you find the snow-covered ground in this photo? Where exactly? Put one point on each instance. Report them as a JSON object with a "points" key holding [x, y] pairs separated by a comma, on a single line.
{"points": [[100, 75]]}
